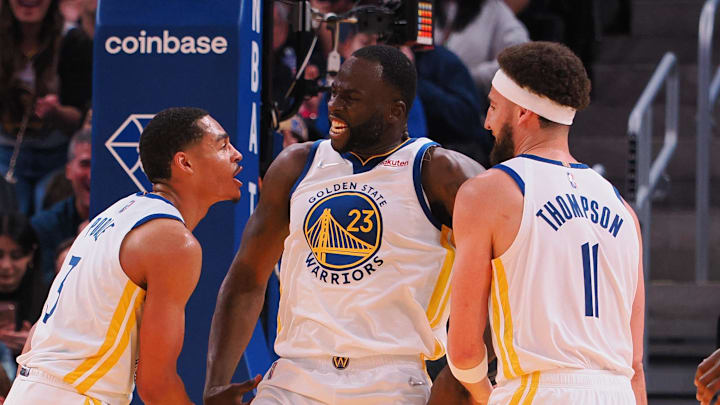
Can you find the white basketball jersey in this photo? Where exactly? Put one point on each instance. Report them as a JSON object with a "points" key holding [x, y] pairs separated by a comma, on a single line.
{"points": [[366, 268], [562, 293], [87, 335]]}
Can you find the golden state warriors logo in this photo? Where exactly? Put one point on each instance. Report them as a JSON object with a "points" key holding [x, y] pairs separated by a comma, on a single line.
{"points": [[344, 232]]}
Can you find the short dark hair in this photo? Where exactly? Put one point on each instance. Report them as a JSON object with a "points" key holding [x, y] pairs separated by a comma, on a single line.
{"points": [[82, 136], [17, 227], [397, 70], [169, 132], [549, 69]]}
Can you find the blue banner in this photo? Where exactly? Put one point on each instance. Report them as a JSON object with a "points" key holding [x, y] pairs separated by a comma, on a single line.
{"points": [[150, 55]]}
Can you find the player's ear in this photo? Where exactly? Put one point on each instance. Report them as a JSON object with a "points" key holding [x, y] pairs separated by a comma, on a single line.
{"points": [[398, 111], [181, 161], [525, 117]]}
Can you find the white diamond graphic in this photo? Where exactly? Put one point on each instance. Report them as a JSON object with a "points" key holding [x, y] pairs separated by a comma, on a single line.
{"points": [[123, 145]]}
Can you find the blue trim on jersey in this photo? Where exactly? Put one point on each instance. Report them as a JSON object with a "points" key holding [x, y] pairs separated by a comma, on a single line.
{"points": [[417, 181], [512, 173], [308, 164], [617, 193], [360, 167], [155, 216], [154, 196], [555, 162]]}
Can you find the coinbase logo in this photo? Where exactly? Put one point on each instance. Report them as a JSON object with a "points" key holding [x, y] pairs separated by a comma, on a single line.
{"points": [[123, 145], [165, 44]]}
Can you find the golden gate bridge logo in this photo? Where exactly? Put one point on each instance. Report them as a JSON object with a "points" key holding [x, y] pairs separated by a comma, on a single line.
{"points": [[343, 230]]}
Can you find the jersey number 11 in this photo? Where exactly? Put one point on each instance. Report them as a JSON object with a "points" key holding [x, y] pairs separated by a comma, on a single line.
{"points": [[590, 271]]}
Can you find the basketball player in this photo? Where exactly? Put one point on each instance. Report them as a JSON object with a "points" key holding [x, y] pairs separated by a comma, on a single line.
{"points": [[553, 258], [707, 378], [138, 258], [361, 223]]}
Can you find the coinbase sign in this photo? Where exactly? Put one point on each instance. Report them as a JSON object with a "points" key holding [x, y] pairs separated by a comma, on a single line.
{"points": [[166, 44], [151, 55]]}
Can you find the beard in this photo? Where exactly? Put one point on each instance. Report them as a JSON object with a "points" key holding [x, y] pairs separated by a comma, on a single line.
{"points": [[505, 148], [365, 135]]}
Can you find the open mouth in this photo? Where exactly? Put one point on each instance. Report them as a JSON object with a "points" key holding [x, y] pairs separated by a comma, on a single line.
{"points": [[337, 127]]}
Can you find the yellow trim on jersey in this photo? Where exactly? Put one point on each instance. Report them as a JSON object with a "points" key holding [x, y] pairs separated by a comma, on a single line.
{"points": [[496, 329], [507, 317], [91, 401], [441, 293], [364, 161], [534, 381], [520, 391], [119, 349], [118, 334]]}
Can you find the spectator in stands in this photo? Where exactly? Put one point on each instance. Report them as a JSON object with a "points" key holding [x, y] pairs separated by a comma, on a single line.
{"points": [[61, 221], [21, 291], [44, 93], [293, 130], [71, 10], [452, 104], [707, 378], [477, 31], [329, 6]]}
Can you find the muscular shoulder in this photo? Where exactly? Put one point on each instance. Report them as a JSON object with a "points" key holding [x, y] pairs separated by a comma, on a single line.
{"points": [[443, 172], [159, 246], [440, 161], [288, 165], [493, 192]]}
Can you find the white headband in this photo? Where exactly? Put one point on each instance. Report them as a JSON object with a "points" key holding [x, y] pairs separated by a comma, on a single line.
{"points": [[538, 104]]}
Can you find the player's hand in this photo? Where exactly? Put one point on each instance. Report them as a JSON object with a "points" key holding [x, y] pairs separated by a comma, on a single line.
{"points": [[707, 378], [230, 394], [15, 340]]}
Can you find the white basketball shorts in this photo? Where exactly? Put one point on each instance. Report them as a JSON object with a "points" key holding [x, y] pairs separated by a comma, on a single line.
{"points": [[587, 387], [34, 387], [379, 380]]}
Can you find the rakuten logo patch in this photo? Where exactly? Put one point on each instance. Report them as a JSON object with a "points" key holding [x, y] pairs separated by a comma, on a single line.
{"points": [[165, 44]]}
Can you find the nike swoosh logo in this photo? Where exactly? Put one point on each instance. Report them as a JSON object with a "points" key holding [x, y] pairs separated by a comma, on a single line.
{"points": [[323, 165]]}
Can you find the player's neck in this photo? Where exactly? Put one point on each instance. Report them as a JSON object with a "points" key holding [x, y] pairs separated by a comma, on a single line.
{"points": [[550, 145], [193, 210], [382, 148]]}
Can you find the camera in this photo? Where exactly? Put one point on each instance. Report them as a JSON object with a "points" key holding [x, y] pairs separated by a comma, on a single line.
{"points": [[406, 22]]}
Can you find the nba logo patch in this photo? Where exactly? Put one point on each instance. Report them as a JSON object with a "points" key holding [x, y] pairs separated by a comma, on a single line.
{"points": [[571, 179]]}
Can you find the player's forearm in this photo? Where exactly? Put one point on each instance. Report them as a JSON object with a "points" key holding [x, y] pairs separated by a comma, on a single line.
{"points": [[232, 327], [163, 391], [638, 385], [479, 391]]}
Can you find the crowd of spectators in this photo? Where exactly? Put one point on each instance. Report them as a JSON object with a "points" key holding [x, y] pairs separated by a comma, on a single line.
{"points": [[45, 98]]}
